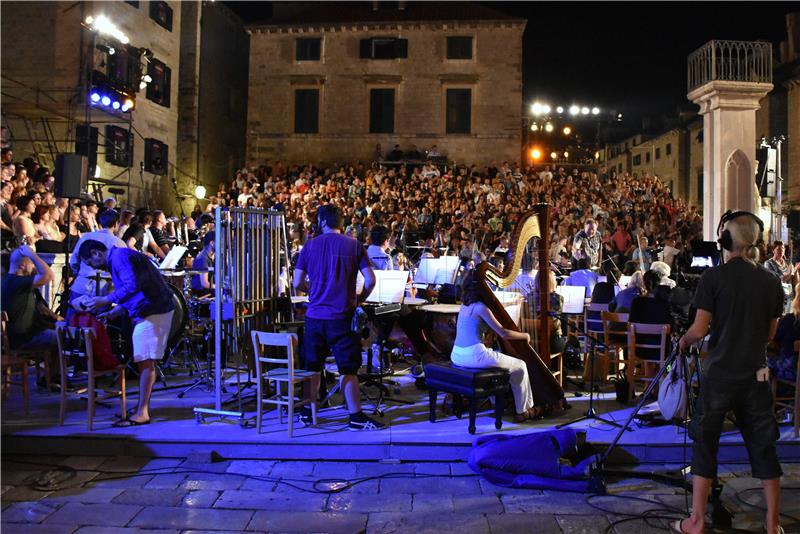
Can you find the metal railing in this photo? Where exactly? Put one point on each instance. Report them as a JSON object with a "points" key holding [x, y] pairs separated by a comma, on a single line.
{"points": [[738, 61]]}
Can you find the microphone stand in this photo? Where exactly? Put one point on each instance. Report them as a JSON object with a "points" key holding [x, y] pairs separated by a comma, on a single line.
{"points": [[591, 414]]}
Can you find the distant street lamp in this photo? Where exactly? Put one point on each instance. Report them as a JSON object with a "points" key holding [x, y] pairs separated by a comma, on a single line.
{"points": [[567, 130]]}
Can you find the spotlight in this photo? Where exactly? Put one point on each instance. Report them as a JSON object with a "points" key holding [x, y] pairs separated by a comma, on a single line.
{"points": [[111, 51], [115, 104], [147, 78], [106, 101], [553, 155], [566, 155], [534, 127], [129, 103], [125, 108], [536, 154], [595, 111], [103, 25], [559, 109], [143, 85], [574, 110], [545, 109], [597, 155], [89, 20], [200, 192], [548, 127], [584, 110], [567, 130], [619, 116], [95, 97], [536, 108]]}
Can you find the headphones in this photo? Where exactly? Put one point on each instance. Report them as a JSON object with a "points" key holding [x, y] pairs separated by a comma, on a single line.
{"points": [[725, 239]]}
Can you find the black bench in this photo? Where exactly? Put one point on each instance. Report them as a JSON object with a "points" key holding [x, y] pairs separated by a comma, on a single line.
{"points": [[475, 384]]}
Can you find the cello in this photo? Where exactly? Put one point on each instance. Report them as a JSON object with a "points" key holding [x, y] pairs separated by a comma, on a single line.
{"points": [[547, 392]]}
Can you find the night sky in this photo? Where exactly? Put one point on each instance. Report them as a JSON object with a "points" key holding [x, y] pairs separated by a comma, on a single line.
{"points": [[625, 56]]}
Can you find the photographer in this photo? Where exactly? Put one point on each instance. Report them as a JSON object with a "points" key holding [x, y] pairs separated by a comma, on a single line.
{"points": [[741, 302]]}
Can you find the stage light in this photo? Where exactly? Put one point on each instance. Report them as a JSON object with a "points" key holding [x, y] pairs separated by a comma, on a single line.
{"points": [[95, 97], [111, 51], [106, 101], [559, 109], [103, 25], [574, 110], [125, 108], [553, 155], [89, 20], [200, 192], [534, 127], [597, 155], [545, 109], [584, 110], [548, 127], [129, 104], [115, 104], [595, 111], [619, 116], [147, 78], [536, 108], [567, 130], [566, 155], [143, 85], [536, 154]]}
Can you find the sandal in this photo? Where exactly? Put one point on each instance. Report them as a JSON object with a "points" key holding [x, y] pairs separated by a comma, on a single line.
{"points": [[676, 527], [125, 423]]}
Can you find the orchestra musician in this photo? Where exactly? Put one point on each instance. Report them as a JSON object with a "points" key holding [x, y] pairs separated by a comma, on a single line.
{"points": [[326, 269], [203, 282], [475, 319], [142, 293]]}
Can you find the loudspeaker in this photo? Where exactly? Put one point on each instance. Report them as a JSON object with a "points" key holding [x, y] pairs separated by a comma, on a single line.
{"points": [[86, 144], [72, 175], [119, 146], [767, 158], [156, 156]]}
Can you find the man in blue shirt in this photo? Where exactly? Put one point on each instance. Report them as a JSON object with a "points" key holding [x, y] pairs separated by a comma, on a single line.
{"points": [[332, 262], [583, 277], [141, 291]]}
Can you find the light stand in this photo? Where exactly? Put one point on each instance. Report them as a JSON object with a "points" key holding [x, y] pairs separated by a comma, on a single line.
{"points": [[591, 414]]}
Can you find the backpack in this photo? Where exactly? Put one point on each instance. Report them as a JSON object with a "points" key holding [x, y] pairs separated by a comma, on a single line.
{"points": [[104, 358], [672, 394]]}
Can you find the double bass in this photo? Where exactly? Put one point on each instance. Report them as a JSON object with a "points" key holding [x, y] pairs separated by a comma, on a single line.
{"points": [[547, 392]]}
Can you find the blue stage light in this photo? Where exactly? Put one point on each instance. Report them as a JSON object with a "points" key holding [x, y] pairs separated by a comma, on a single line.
{"points": [[125, 108], [95, 97], [115, 105], [106, 101]]}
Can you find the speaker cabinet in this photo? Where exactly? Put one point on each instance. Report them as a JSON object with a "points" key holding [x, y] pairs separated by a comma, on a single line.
{"points": [[156, 156], [72, 173], [86, 145], [119, 146]]}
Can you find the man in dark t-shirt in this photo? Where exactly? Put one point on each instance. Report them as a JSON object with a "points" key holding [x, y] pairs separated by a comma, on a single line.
{"points": [[332, 262], [741, 302]]}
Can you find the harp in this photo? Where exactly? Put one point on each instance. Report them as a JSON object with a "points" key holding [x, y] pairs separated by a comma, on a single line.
{"points": [[547, 391]]}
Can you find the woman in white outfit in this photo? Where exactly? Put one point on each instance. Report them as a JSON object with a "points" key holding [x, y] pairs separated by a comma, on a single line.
{"points": [[475, 320]]}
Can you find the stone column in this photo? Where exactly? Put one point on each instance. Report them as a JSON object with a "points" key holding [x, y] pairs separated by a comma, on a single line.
{"points": [[729, 139]]}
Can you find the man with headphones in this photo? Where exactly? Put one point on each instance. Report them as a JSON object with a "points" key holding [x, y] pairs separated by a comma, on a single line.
{"points": [[741, 302], [332, 261]]}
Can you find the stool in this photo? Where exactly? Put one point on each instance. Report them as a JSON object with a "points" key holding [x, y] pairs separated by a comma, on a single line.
{"points": [[475, 384]]}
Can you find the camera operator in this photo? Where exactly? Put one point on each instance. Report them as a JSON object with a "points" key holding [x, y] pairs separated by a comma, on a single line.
{"points": [[741, 302]]}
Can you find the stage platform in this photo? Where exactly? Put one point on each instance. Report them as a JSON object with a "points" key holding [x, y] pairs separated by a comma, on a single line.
{"points": [[410, 436]]}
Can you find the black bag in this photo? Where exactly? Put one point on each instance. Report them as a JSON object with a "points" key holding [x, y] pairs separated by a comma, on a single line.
{"points": [[621, 388], [572, 354]]}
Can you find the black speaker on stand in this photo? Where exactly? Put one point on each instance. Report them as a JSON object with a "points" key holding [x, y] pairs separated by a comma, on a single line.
{"points": [[72, 175]]}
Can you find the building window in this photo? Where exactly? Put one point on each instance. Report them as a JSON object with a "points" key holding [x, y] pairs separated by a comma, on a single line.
{"points": [[381, 111], [669, 149], [308, 49], [162, 14], [658, 152], [459, 48], [306, 111], [647, 157], [158, 90], [383, 48], [637, 159], [459, 111]]}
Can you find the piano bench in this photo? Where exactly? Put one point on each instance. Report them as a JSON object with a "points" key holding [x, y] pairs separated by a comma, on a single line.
{"points": [[475, 384]]}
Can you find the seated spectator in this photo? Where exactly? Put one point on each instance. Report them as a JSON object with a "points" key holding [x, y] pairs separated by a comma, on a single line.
{"points": [[24, 228], [396, 154], [782, 356]]}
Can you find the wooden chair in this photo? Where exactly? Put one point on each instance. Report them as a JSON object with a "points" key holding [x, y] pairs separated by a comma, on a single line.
{"points": [[13, 358], [790, 402], [556, 359], [634, 344], [74, 342], [615, 332], [593, 326], [283, 371]]}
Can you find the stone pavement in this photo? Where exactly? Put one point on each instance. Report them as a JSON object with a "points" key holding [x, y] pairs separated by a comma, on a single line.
{"points": [[170, 496]]}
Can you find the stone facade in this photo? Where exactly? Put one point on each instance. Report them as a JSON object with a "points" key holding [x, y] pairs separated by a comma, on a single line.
{"points": [[49, 59], [420, 82]]}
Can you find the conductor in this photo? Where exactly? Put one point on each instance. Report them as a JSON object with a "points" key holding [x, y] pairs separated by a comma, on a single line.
{"points": [[331, 261], [741, 302]]}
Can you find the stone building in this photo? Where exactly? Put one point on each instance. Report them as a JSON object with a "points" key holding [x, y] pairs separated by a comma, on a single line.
{"points": [[331, 81], [45, 97]]}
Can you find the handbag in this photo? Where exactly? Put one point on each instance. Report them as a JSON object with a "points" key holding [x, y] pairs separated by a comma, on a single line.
{"points": [[672, 394]]}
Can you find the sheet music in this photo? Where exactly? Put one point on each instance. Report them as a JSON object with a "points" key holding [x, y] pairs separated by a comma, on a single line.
{"points": [[574, 297], [172, 258], [447, 269], [426, 272], [390, 287]]}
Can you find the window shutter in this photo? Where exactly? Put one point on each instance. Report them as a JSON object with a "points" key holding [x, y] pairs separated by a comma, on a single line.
{"points": [[401, 48], [365, 49]]}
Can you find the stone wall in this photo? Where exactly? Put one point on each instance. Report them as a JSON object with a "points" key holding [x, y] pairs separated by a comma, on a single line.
{"points": [[420, 81], [49, 59]]}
